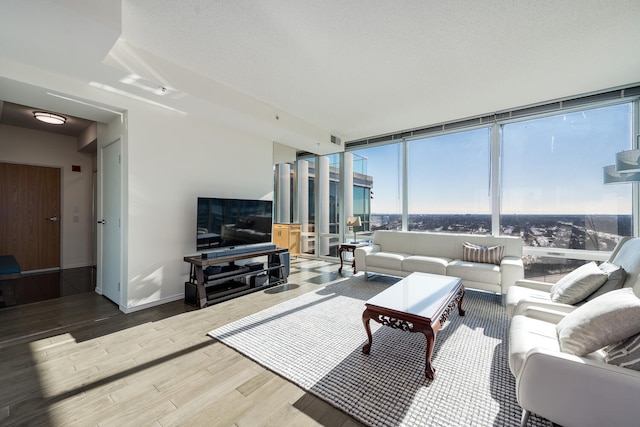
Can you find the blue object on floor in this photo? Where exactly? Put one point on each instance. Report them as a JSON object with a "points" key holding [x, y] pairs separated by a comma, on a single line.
{"points": [[9, 267]]}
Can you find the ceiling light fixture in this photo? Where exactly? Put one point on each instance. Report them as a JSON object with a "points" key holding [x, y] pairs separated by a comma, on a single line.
{"points": [[52, 119]]}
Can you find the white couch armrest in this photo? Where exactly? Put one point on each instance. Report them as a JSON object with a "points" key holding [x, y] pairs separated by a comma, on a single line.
{"points": [[546, 313], [361, 253], [534, 284], [511, 270], [527, 306], [576, 391]]}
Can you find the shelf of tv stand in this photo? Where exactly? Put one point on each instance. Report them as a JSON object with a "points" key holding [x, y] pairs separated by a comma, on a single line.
{"points": [[221, 286]]}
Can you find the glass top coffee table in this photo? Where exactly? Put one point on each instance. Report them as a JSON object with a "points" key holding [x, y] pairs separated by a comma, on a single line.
{"points": [[420, 302]]}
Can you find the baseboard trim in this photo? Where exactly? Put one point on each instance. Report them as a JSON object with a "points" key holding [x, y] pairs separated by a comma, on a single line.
{"points": [[81, 265], [166, 300]]}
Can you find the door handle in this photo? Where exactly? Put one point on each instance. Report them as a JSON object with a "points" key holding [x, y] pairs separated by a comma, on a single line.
{"points": [[52, 219], [102, 222]]}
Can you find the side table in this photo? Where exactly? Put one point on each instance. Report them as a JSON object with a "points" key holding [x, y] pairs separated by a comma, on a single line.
{"points": [[349, 247]]}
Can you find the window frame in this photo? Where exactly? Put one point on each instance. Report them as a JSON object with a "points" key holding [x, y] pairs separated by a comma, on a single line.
{"points": [[495, 122]]}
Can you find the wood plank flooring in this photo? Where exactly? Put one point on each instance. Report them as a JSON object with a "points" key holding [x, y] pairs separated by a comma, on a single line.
{"points": [[79, 361]]}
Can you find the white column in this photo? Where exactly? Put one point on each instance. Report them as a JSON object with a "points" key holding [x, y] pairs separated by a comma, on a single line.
{"points": [[347, 180], [283, 213], [405, 185], [302, 206], [322, 207], [494, 191]]}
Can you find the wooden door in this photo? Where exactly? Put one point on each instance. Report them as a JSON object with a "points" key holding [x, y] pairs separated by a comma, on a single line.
{"points": [[30, 215]]}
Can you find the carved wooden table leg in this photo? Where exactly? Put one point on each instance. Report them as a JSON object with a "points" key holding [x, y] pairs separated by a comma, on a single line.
{"points": [[460, 310], [430, 335], [340, 251], [366, 316]]}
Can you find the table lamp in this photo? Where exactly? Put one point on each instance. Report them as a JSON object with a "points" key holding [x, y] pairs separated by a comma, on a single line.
{"points": [[354, 221]]}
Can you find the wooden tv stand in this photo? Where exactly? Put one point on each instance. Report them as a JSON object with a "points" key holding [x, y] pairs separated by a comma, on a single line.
{"points": [[235, 280]]}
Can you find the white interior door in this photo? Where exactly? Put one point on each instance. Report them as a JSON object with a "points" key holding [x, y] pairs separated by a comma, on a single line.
{"points": [[110, 222]]}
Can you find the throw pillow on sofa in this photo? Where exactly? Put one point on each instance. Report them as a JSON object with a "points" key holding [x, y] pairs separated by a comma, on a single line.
{"points": [[625, 353], [484, 254], [579, 284], [616, 276], [606, 320]]}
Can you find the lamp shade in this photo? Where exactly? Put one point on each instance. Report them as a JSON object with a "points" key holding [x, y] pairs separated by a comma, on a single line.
{"points": [[354, 221], [628, 161], [611, 176]]}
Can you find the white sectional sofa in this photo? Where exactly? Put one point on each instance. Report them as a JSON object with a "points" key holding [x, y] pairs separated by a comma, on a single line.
{"points": [[579, 365], [400, 253]]}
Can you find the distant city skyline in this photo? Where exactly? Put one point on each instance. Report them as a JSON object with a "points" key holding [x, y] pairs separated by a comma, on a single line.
{"points": [[550, 165]]}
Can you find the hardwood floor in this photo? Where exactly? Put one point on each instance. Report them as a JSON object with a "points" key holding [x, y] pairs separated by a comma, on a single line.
{"points": [[78, 360], [30, 288]]}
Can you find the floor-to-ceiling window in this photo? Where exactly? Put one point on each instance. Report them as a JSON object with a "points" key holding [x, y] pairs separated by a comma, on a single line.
{"points": [[384, 171], [318, 207], [361, 196], [329, 204], [535, 173], [448, 182], [553, 195], [304, 211]]}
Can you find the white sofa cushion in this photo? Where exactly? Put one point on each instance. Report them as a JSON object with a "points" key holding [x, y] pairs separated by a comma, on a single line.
{"points": [[433, 244], [610, 318], [425, 264], [386, 260], [579, 284], [615, 279], [395, 241], [474, 271]]}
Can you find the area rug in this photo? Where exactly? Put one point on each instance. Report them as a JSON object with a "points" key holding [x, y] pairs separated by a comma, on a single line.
{"points": [[316, 340]]}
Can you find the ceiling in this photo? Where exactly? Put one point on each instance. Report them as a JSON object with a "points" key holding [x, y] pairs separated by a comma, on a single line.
{"points": [[22, 116], [353, 68]]}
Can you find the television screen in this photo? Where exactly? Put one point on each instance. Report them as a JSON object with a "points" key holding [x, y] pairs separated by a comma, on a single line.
{"points": [[232, 222]]}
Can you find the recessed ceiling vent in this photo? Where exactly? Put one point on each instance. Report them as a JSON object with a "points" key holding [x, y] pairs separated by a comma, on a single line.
{"points": [[335, 140]]}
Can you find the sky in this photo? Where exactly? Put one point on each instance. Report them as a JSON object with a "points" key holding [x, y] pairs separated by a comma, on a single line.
{"points": [[550, 165]]}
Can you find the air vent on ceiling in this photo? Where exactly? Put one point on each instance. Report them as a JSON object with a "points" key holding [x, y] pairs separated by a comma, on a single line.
{"points": [[335, 140]]}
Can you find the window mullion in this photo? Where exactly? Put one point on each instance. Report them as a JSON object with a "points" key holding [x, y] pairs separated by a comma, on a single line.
{"points": [[495, 179]]}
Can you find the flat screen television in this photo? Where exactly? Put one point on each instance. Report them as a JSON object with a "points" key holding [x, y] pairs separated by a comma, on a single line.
{"points": [[224, 223]]}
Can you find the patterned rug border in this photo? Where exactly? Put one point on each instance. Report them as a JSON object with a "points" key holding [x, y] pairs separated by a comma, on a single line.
{"points": [[329, 362]]}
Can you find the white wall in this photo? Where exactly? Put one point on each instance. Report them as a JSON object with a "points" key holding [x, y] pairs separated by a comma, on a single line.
{"points": [[172, 159], [283, 153], [169, 159], [19, 145]]}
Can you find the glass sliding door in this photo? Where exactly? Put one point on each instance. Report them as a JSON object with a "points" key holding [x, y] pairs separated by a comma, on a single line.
{"points": [[327, 187], [304, 211]]}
